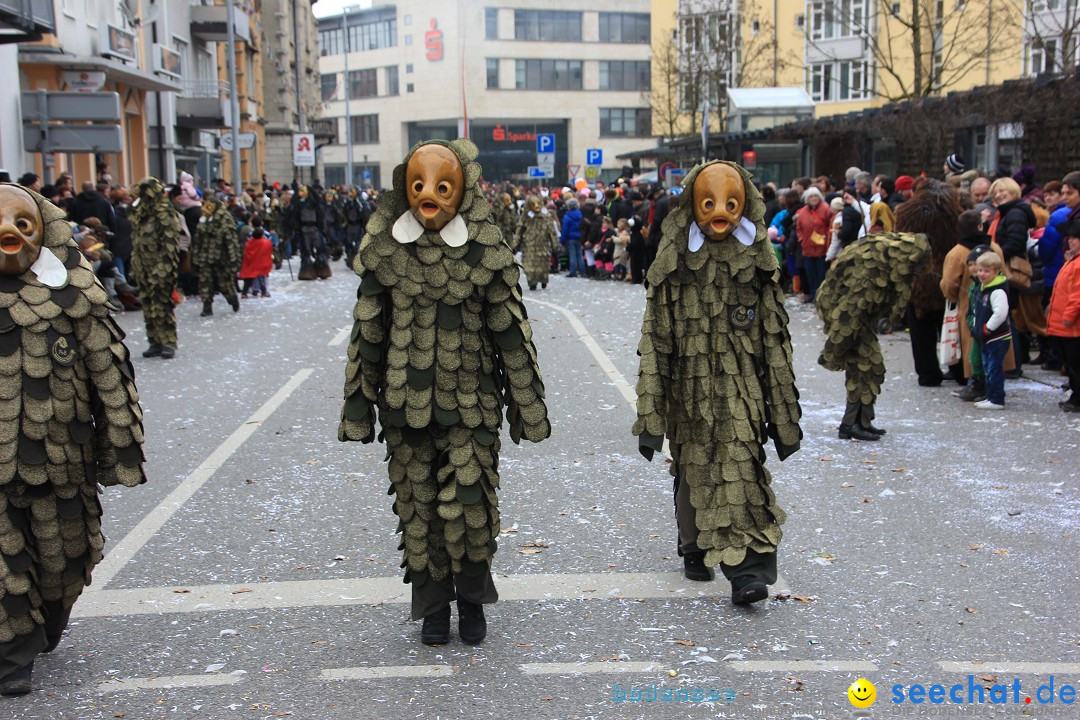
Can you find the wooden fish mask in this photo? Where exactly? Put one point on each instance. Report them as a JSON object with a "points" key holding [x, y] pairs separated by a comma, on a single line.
{"points": [[719, 199], [434, 185], [22, 230]]}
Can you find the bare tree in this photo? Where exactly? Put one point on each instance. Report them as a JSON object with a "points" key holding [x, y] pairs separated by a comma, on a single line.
{"points": [[1052, 30], [919, 48], [663, 92]]}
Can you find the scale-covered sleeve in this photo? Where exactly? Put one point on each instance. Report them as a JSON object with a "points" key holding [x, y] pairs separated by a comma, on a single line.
{"points": [[656, 349]]}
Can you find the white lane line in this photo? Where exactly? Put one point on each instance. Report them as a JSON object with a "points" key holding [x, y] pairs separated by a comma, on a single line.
{"points": [[802, 666], [165, 682], [1011, 668], [126, 549], [342, 336], [590, 668], [387, 671], [624, 388], [386, 590]]}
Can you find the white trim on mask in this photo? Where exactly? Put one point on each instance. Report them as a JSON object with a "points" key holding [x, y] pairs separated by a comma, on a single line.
{"points": [[407, 228], [49, 270], [746, 233], [697, 238], [455, 233]]}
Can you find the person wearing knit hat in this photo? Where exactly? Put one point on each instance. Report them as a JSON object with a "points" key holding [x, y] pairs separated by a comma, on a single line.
{"points": [[902, 191], [954, 164], [956, 175]]}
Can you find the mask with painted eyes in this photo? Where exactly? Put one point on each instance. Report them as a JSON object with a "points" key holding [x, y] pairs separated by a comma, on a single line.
{"points": [[434, 184], [719, 200], [352, 193], [21, 230]]}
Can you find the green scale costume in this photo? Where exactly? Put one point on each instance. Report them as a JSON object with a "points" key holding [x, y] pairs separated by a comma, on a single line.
{"points": [[506, 218], [716, 378], [69, 421], [155, 260], [870, 280], [440, 345], [217, 255], [536, 239]]}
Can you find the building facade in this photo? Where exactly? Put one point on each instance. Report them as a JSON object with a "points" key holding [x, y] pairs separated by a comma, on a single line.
{"points": [[502, 73]]}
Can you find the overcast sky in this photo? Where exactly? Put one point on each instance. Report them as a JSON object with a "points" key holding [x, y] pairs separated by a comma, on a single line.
{"points": [[322, 8]]}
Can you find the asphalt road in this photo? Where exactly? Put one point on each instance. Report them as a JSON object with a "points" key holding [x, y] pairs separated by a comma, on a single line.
{"points": [[256, 576]]}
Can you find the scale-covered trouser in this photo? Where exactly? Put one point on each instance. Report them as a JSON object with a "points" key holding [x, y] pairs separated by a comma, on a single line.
{"points": [[760, 565], [312, 247], [216, 280], [48, 546], [353, 235], [863, 386], [444, 481], [157, 307]]}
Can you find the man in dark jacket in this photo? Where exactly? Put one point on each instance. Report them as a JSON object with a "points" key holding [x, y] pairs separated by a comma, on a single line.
{"points": [[638, 258], [91, 203]]}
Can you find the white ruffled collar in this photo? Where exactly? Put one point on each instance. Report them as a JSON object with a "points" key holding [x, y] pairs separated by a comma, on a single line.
{"points": [[407, 229], [49, 270], [745, 233]]}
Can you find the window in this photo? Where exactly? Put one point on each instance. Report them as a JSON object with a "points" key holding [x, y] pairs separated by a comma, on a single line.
{"points": [[625, 122], [181, 48], [800, 21], [408, 87], [365, 129], [331, 42], [493, 73], [407, 20], [408, 68], [373, 34], [491, 23], [839, 81], [624, 75], [329, 86], [837, 18], [624, 27], [408, 39], [548, 75], [363, 83], [755, 27], [705, 32], [547, 25], [392, 87], [334, 175]]}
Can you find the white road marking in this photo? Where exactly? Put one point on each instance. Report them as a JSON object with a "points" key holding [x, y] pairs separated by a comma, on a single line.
{"points": [[590, 668], [165, 682], [387, 671], [1011, 668], [616, 377], [802, 666], [342, 336], [386, 590], [126, 549]]}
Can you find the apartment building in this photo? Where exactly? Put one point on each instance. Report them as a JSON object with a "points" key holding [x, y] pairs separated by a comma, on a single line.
{"points": [[503, 73]]}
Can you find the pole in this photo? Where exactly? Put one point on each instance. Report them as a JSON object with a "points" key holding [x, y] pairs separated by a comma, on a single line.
{"points": [[234, 102], [348, 114]]}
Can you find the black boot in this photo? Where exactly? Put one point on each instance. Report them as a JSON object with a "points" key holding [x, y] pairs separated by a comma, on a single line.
{"points": [[207, 309], [56, 621], [153, 351], [694, 567], [472, 627], [747, 589], [436, 628], [18, 682], [168, 352], [854, 432], [235, 302], [869, 427]]}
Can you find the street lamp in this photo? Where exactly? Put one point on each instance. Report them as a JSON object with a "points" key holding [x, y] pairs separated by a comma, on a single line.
{"points": [[234, 103], [348, 97]]}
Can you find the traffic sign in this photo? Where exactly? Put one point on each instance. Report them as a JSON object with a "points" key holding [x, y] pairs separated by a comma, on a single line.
{"points": [[545, 143], [70, 106], [665, 168], [594, 156], [592, 172], [536, 172], [247, 141], [545, 158], [548, 170], [573, 170]]}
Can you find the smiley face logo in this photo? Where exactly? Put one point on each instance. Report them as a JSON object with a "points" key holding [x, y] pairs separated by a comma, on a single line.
{"points": [[862, 693]]}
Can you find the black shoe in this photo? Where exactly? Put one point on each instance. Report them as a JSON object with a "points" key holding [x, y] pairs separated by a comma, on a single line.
{"points": [[747, 589], [472, 627], [1051, 365], [168, 352], [543, 286], [1014, 374], [971, 392], [436, 628], [235, 302], [18, 682], [153, 351], [532, 286], [930, 382], [207, 310], [1068, 406], [694, 567], [869, 427], [854, 432]]}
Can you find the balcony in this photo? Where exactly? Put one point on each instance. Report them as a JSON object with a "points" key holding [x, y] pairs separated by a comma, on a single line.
{"points": [[324, 129], [209, 23], [203, 104]]}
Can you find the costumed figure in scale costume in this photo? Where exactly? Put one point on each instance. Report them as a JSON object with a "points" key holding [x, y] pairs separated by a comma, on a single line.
{"points": [[69, 421], [355, 212], [536, 239], [441, 346], [716, 377], [216, 255], [870, 280], [309, 220], [155, 262]]}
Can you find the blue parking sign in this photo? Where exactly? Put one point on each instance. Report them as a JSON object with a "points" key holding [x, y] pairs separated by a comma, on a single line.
{"points": [[545, 143], [594, 156]]}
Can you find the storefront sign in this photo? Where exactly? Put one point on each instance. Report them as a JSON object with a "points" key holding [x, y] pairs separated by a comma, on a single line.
{"points": [[303, 149], [433, 42], [501, 134], [83, 80]]}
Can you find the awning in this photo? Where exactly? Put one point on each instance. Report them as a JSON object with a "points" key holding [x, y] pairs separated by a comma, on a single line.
{"points": [[116, 71], [660, 152]]}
